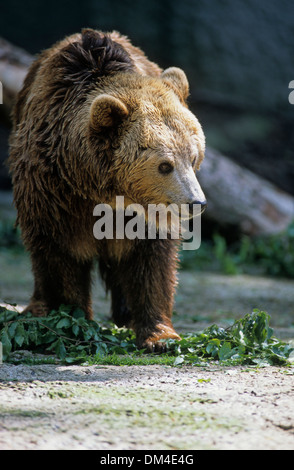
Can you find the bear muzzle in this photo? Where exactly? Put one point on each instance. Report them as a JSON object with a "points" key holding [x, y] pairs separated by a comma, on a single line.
{"points": [[202, 204]]}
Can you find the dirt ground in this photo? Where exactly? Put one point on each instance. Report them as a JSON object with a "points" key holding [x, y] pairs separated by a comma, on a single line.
{"points": [[154, 407], [148, 407]]}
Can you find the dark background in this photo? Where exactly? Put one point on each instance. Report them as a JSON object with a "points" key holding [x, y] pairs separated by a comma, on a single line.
{"points": [[238, 56]]}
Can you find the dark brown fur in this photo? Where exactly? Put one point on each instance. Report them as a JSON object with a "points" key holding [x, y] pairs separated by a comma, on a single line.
{"points": [[62, 166]]}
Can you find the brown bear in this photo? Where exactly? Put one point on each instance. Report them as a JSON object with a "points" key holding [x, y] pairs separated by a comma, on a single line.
{"points": [[96, 119]]}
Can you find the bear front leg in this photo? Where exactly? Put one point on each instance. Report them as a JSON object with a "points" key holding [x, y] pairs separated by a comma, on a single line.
{"points": [[59, 279], [148, 280]]}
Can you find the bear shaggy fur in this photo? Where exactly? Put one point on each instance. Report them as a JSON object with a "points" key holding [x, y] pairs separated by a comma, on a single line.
{"points": [[96, 119]]}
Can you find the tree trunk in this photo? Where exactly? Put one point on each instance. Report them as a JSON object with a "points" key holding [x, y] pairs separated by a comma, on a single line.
{"points": [[239, 197], [235, 195]]}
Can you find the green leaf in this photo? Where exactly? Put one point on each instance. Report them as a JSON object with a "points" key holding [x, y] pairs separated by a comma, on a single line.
{"points": [[78, 313], [59, 348], [179, 360], [111, 338], [12, 328], [7, 315], [75, 329], [6, 344], [63, 323], [20, 335], [101, 349], [225, 351], [212, 347]]}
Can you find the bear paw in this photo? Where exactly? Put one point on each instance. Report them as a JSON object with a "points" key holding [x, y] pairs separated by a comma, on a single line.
{"points": [[37, 309], [155, 342]]}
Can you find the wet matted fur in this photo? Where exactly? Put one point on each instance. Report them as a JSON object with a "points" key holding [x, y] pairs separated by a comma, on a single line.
{"points": [[96, 119]]}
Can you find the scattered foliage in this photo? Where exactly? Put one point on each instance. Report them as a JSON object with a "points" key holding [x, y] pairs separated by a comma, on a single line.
{"points": [[65, 333], [275, 253], [249, 340], [270, 255], [68, 335]]}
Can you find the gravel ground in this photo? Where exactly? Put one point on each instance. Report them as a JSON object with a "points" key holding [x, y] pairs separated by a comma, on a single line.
{"points": [[145, 407]]}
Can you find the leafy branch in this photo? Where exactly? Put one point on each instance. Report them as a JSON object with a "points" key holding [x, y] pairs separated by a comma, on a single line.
{"points": [[249, 340], [67, 334]]}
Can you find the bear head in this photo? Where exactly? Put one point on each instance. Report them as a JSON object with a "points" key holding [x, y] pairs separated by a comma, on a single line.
{"points": [[155, 143]]}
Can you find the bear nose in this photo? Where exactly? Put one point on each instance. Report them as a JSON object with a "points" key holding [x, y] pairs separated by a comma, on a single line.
{"points": [[203, 205]]}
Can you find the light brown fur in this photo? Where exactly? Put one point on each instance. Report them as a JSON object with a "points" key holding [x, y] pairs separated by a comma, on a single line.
{"points": [[94, 120]]}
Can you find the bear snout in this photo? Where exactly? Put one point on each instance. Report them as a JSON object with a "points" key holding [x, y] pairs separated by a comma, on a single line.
{"points": [[202, 204]]}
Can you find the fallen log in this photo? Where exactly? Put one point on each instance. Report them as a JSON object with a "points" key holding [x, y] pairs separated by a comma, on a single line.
{"points": [[235, 195], [14, 63]]}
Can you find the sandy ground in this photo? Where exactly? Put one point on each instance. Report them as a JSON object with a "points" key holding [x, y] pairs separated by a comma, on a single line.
{"points": [[148, 407]]}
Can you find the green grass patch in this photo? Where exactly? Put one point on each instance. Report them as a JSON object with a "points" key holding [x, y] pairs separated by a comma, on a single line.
{"points": [[70, 337]]}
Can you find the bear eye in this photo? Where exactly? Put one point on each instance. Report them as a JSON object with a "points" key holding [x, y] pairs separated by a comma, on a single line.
{"points": [[165, 168], [194, 162]]}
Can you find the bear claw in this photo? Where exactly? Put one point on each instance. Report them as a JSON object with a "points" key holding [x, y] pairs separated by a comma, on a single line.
{"points": [[156, 344]]}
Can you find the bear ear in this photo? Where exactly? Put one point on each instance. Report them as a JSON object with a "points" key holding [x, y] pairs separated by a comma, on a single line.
{"points": [[176, 78], [106, 112]]}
